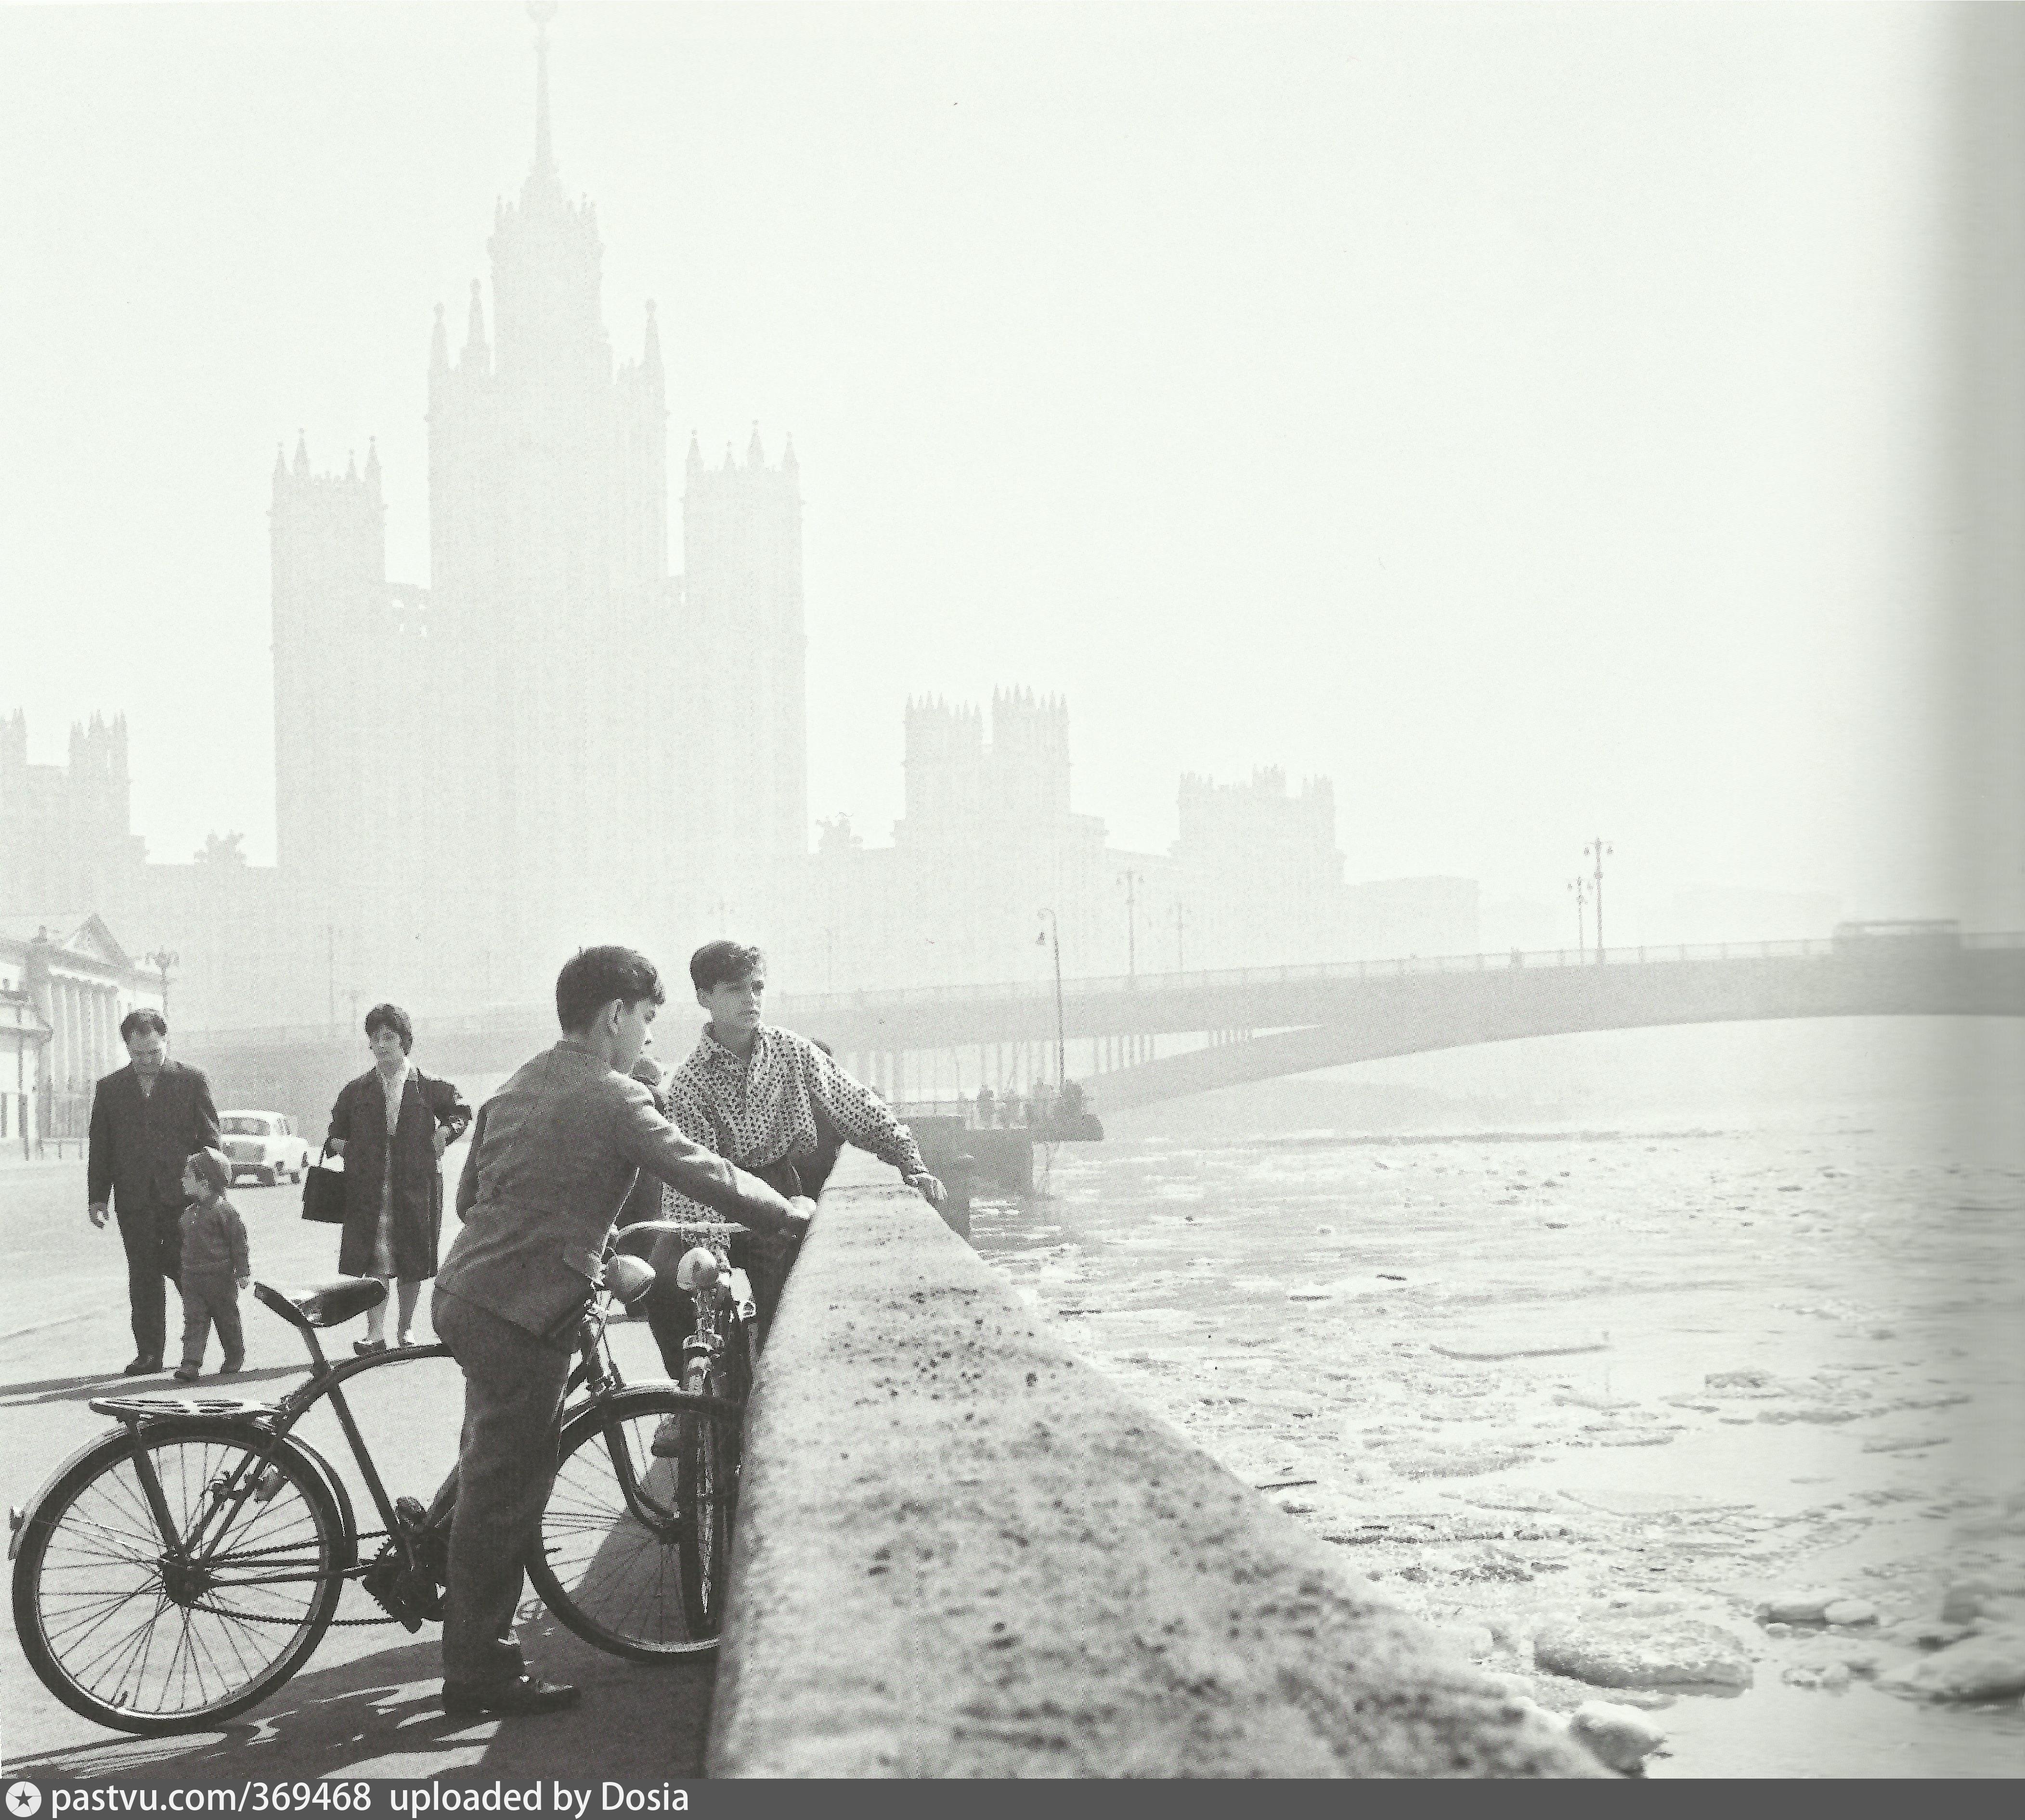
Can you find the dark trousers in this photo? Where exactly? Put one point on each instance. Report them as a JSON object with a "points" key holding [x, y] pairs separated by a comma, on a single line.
{"points": [[209, 1299], [153, 1237], [506, 1468]]}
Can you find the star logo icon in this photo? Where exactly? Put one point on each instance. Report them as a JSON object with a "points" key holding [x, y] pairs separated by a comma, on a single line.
{"points": [[23, 1799]]}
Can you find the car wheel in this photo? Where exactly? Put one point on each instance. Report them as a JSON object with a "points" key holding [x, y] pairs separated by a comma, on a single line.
{"points": [[269, 1177]]}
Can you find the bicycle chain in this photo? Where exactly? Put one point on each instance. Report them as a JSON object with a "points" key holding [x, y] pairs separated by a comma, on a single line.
{"points": [[262, 1618]]}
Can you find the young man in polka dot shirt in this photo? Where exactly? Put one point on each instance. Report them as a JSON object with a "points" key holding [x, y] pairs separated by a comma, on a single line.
{"points": [[760, 1096]]}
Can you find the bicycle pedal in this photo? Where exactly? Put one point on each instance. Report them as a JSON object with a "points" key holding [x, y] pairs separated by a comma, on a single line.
{"points": [[410, 1514], [387, 1583]]}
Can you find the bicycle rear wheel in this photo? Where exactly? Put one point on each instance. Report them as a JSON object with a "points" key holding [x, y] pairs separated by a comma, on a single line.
{"points": [[150, 1632], [622, 1526]]}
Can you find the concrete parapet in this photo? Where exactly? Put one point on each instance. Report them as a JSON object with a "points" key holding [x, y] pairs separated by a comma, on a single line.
{"points": [[961, 1552]]}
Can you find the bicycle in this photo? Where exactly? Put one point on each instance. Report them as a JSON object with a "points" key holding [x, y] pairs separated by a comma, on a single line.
{"points": [[719, 1357], [178, 1569]]}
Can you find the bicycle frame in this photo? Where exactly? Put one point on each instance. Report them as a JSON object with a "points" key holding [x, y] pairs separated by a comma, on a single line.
{"points": [[269, 1427]]}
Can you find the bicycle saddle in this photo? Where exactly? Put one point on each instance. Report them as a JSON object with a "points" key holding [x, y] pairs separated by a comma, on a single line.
{"points": [[328, 1304]]}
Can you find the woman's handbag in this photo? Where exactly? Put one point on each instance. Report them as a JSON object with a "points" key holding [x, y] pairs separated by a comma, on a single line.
{"points": [[323, 1192]]}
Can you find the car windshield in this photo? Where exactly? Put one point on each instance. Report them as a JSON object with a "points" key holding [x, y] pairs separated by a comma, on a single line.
{"points": [[240, 1126]]}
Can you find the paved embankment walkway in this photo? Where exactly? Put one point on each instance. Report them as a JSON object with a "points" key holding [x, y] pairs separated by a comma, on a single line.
{"points": [[962, 1552]]}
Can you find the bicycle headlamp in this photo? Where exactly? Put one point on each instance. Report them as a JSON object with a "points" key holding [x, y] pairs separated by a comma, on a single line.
{"points": [[697, 1269]]}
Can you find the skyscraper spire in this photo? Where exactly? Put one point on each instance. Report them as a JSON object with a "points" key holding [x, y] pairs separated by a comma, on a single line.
{"points": [[541, 11], [651, 357], [476, 353]]}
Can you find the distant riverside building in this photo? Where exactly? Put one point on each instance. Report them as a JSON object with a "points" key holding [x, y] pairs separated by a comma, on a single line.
{"points": [[556, 740], [988, 839], [537, 749], [65, 829], [482, 772]]}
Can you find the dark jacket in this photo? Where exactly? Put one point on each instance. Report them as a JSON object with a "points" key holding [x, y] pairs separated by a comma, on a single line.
{"points": [[214, 1241], [360, 1119], [140, 1141]]}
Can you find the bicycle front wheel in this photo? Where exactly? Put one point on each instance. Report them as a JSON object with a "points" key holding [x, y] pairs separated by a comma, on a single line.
{"points": [[707, 1482], [622, 1527], [162, 1616]]}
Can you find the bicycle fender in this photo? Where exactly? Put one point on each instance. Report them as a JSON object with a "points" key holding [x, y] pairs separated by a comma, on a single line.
{"points": [[628, 1401], [19, 1516]]}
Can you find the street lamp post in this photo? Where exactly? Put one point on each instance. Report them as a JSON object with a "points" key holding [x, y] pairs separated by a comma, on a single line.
{"points": [[1131, 925], [1580, 886], [1596, 850], [162, 959], [1053, 934]]}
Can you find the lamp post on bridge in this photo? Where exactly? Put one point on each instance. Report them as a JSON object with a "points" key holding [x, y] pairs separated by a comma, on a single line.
{"points": [[162, 959], [1131, 926], [1053, 932], [1580, 886], [1596, 850]]}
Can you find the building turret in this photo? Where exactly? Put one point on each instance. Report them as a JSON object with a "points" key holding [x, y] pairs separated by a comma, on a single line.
{"points": [[650, 356], [742, 585], [327, 534], [477, 357]]}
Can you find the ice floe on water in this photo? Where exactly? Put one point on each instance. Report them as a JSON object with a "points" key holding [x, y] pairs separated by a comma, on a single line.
{"points": [[1704, 1440]]}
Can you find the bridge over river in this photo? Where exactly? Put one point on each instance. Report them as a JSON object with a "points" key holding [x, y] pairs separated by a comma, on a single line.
{"points": [[1135, 1041]]}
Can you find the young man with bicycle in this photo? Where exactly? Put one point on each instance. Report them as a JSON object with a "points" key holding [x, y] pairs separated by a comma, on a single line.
{"points": [[553, 1155], [774, 1104]]}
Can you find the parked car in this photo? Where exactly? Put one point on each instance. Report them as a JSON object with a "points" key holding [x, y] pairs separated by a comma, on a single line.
{"points": [[264, 1145]]}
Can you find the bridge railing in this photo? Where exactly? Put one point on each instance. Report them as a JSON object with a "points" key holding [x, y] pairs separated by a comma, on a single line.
{"points": [[1087, 985], [540, 1017]]}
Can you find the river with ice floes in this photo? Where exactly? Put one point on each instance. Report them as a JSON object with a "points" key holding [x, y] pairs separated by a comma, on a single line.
{"points": [[1718, 1422]]}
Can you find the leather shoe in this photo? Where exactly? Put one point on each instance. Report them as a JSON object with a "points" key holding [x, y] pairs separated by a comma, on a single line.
{"points": [[142, 1367], [510, 1699], [366, 1348]]}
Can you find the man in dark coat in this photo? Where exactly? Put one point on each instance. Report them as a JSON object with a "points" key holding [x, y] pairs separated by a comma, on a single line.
{"points": [[147, 1120]]}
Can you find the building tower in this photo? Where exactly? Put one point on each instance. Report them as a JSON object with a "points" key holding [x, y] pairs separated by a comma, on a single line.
{"points": [[327, 537], [548, 490], [547, 741], [742, 606]]}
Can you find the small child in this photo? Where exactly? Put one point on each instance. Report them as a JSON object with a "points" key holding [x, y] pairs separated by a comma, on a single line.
{"points": [[214, 1259]]}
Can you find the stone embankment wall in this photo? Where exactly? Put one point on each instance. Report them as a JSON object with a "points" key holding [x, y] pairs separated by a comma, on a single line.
{"points": [[961, 1551]]}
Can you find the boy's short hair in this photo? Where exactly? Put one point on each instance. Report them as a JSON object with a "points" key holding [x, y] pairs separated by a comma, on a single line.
{"points": [[391, 1018], [718, 963], [142, 1017], [211, 1170], [592, 978]]}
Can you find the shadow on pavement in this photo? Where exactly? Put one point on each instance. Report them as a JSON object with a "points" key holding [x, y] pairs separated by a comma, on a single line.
{"points": [[380, 1717], [160, 1383]]}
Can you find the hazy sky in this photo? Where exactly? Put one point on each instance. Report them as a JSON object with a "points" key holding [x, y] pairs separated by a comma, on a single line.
{"points": [[1525, 416]]}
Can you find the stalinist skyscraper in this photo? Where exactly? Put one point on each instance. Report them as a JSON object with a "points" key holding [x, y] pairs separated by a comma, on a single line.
{"points": [[556, 742]]}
